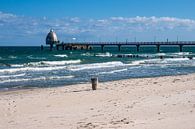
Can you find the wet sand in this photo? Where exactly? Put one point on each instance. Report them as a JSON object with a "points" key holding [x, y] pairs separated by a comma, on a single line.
{"points": [[146, 103]]}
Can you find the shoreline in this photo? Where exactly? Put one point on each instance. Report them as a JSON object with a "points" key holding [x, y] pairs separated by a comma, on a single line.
{"points": [[158, 102], [69, 85]]}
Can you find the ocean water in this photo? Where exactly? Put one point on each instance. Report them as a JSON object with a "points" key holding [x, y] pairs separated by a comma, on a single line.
{"points": [[23, 67]]}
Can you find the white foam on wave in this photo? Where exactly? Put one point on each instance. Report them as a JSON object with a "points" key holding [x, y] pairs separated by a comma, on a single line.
{"points": [[107, 54], [136, 63], [17, 65], [87, 54], [24, 69], [123, 55], [152, 55], [62, 56], [45, 66], [8, 76], [114, 71], [96, 66], [12, 57], [182, 53], [36, 79], [175, 55], [169, 61], [161, 54], [55, 63], [46, 63], [176, 59]]}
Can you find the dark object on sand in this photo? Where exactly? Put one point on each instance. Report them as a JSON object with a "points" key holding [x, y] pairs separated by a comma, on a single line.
{"points": [[94, 82]]}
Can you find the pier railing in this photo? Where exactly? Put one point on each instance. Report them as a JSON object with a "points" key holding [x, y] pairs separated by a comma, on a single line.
{"points": [[135, 43], [87, 45]]}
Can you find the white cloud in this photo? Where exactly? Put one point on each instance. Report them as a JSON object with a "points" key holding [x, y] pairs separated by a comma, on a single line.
{"points": [[6, 15], [75, 19], [13, 26], [155, 22]]}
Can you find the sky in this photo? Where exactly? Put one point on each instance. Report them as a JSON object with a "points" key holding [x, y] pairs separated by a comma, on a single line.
{"points": [[27, 22]]}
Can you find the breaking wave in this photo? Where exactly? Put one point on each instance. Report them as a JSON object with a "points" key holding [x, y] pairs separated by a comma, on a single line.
{"points": [[15, 75], [56, 63], [47, 63], [167, 61], [36, 79], [39, 66], [62, 56], [96, 66], [12, 57], [114, 71], [107, 54]]}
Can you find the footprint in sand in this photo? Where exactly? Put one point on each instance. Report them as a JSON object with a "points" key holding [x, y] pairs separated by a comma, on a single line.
{"points": [[155, 82], [48, 106], [175, 80], [97, 115], [91, 108], [86, 125], [11, 108], [122, 121], [11, 121], [160, 118], [130, 106]]}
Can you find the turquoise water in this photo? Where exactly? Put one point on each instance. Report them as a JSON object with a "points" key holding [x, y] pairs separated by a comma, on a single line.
{"points": [[31, 67]]}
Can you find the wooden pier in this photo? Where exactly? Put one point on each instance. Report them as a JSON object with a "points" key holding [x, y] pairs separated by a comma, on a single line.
{"points": [[89, 45]]}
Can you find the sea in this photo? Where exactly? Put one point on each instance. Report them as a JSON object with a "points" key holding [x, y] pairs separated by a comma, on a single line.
{"points": [[27, 67]]}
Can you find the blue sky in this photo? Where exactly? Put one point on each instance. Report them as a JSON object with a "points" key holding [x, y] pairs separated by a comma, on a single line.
{"points": [[27, 22]]}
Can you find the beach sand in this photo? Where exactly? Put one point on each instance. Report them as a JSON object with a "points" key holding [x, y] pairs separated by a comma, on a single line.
{"points": [[146, 103]]}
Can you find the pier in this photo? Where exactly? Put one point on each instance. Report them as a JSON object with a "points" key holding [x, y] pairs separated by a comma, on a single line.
{"points": [[90, 45], [52, 40]]}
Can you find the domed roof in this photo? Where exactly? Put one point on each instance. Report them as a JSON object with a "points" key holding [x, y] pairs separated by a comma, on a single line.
{"points": [[51, 37]]}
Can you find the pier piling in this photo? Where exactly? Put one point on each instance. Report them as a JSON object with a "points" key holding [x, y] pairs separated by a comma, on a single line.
{"points": [[41, 47], [87, 47], [57, 47], [158, 48], [119, 47], [102, 47], [137, 47], [51, 47], [180, 48]]}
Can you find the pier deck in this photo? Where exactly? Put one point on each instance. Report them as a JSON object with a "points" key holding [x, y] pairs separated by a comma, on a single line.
{"points": [[88, 45]]}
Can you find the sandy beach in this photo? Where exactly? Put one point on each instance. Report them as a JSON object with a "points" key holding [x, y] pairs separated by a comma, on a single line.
{"points": [[146, 103]]}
